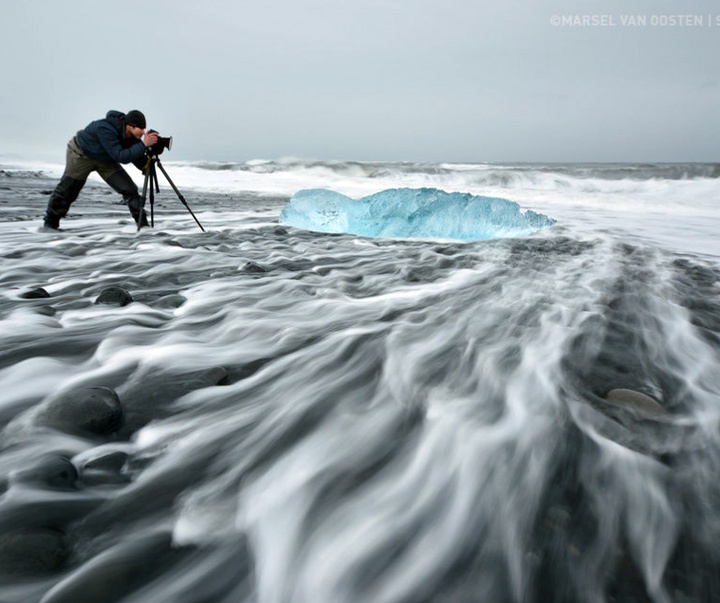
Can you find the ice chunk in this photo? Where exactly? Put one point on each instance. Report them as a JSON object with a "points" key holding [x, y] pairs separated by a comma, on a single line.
{"points": [[426, 213]]}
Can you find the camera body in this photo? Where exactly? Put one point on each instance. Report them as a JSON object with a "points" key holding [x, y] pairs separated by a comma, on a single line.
{"points": [[163, 142]]}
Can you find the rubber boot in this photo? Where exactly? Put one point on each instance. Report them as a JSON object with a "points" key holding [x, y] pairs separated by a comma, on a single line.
{"points": [[59, 203], [140, 217], [121, 182], [51, 222]]}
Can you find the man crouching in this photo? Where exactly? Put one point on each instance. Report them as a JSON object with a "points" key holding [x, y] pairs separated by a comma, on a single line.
{"points": [[101, 147]]}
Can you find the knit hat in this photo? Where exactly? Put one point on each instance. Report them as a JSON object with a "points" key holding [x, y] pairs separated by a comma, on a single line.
{"points": [[135, 118]]}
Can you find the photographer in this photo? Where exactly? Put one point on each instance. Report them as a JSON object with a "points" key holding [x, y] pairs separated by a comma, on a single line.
{"points": [[101, 147]]}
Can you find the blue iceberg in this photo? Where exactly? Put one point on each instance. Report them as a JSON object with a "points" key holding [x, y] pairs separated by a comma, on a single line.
{"points": [[425, 213]]}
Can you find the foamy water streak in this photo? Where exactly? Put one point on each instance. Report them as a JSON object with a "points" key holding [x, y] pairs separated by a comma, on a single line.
{"points": [[401, 421]]}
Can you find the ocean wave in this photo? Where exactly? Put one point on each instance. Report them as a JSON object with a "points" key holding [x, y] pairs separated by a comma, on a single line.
{"points": [[647, 179], [604, 171], [287, 176]]}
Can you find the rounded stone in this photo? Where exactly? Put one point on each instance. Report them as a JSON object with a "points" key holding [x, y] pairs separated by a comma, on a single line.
{"points": [[53, 471], [254, 268], [112, 461], [116, 573], [32, 551], [116, 296], [95, 410], [105, 469], [217, 375], [170, 301], [37, 293], [636, 401], [46, 311]]}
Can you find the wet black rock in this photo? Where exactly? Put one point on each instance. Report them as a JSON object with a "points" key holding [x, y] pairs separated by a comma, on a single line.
{"points": [[279, 230], [635, 401], [32, 551], [169, 301], [51, 471], [149, 394], [116, 572], [105, 469], [37, 293], [254, 268], [217, 375], [90, 410], [46, 311], [114, 296], [113, 461]]}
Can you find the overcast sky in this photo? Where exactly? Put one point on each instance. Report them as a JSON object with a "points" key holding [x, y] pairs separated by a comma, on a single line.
{"points": [[372, 80]]}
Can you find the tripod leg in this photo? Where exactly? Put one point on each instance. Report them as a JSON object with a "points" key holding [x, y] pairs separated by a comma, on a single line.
{"points": [[177, 192], [148, 176], [152, 197], [153, 187]]}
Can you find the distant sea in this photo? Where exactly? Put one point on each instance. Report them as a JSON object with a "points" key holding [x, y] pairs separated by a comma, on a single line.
{"points": [[258, 413]]}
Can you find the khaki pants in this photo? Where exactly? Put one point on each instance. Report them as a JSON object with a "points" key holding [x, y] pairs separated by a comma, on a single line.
{"points": [[79, 166]]}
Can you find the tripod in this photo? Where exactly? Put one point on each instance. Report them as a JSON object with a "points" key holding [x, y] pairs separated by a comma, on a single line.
{"points": [[152, 181]]}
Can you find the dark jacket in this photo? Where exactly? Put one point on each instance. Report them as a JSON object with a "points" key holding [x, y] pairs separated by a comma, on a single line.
{"points": [[104, 140]]}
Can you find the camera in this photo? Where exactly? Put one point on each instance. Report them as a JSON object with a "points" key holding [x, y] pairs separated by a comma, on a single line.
{"points": [[162, 143]]}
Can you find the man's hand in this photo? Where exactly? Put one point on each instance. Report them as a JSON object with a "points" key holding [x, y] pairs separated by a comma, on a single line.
{"points": [[150, 139]]}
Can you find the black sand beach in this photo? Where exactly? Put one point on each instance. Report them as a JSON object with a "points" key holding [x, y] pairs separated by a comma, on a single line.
{"points": [[259, 413]]}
